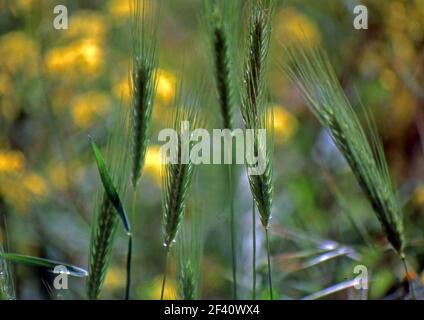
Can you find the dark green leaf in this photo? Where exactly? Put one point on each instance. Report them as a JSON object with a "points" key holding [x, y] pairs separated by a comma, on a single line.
{"points": [[109, 187]]}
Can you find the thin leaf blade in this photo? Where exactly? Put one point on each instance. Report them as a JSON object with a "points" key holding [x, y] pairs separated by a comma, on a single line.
{"points": [[44, 263], [110, 189]]}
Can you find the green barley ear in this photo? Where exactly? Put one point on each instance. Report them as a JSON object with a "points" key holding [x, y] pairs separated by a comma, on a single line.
{"points": [[254, 108], [178, 173], [106, 217], [222, 23], [189, 254], [256, 115], [220, 15], [143, 79], [310, 70]]}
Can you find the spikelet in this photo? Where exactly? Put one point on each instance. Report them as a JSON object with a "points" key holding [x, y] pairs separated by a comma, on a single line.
{"points": [[254, 108], [311, 71], [177, 176], [142, 83]]}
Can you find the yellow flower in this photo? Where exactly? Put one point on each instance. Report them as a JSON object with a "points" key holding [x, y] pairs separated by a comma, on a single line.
{"points": [[87, 24], [14, 194], [403, 47], [419, 196], [166, 84], [83, 57], [388, 79], [170, 292], [25, 4], [153, 163], [294, 26], [20, 189], [87, 107], [285, 124], [11, 161], [119, 9], [5, 84], [121, 90], [35, 184], [115, 278], [18, 53]]}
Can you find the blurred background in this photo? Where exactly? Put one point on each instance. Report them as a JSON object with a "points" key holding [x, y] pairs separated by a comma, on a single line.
{"points": [[58, 86]]}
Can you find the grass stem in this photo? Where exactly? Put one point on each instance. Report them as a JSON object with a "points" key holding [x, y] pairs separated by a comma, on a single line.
{"points": [[411, 285], [269, 263], [129, 257], [165, 273], [232, 231], [253, 250]]}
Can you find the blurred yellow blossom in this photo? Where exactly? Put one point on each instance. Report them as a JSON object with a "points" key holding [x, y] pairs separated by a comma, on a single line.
{"points": [[121, 89], [388, 79], [86, 107], [119, 8], [83, 57], [166, 85], [5, 84], [11, 161], [403, 47], [115, 278], [294, 26], [19, 189], [13, 193], [24, 5], [87, 24], [35, 184], [419, 196], [285, 124], [402, 109], [170, 292], [18, 53], [152, 163]]}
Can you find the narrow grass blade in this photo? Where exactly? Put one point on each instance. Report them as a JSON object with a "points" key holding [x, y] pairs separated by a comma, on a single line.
{"points": [[107, 218], [110, 188], [43, 263]]}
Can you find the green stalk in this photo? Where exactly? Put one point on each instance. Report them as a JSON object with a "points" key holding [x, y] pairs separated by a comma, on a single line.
{"points": [[232, 231], [253, 250], [129, 257], [165, 273], [269, 264], [411, 286]]}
